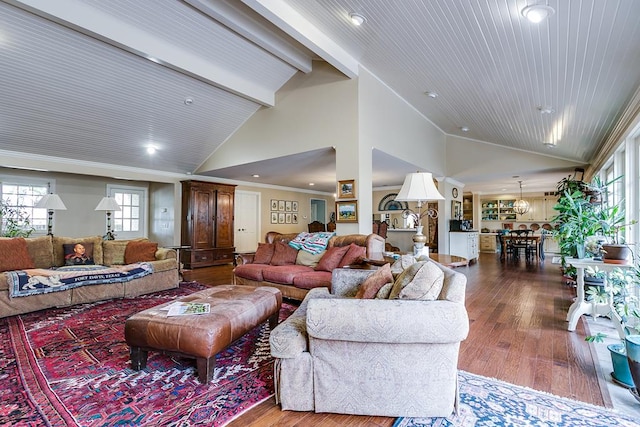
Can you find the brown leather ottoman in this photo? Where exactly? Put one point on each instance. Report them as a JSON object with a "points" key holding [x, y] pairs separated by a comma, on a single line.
{"points": [[235, 310]]}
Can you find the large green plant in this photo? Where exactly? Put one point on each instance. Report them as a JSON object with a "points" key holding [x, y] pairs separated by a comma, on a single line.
{"points": [[577, 219], [14, 222]]}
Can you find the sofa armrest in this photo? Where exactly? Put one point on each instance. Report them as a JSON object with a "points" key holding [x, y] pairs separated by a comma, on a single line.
{"points": [[166, 253], [244, 258], [387, 321], [289, 338]]}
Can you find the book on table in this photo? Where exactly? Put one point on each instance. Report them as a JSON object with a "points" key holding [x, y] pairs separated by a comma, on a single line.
{"points": [[187, 308]]}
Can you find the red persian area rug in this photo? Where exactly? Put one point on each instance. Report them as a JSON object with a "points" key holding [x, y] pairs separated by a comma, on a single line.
{"points": [[70, 367]]}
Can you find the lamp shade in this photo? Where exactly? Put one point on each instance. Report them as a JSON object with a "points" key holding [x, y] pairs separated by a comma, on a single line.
{"points": [[108, 204], [51, 202], [418, 187]]}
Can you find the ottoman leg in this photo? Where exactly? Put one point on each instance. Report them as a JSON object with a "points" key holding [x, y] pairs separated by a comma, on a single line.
{"points": [[205, 368], [273, 320], [138, 358]]}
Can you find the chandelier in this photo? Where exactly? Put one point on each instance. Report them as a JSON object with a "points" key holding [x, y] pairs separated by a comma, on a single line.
{"points": [[521, 206]]}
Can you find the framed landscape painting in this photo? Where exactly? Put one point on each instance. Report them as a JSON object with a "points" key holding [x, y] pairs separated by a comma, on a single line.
{"points": [[347, 211], [347, 189]]}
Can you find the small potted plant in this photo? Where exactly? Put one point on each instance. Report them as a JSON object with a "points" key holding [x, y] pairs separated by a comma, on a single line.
{"points": [[612, 224], [14, 222]]}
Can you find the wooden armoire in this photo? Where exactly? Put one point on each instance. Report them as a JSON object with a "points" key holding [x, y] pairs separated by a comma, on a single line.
{"points": [[207, 223]]}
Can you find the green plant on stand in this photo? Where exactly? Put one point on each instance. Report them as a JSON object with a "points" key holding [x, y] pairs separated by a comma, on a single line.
{"points": [[622, 285], [576, 221]]}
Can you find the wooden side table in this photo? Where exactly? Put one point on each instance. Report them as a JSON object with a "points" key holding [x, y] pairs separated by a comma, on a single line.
{"points": [[177, 248]]}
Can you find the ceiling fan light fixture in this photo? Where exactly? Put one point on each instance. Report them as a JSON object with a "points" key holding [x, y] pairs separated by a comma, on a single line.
{"points": [[537, 13], [357, 19]]}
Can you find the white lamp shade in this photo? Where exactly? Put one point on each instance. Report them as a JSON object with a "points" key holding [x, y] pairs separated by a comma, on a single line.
{"points": [[51, 202], [108, 204], [418, 187]]}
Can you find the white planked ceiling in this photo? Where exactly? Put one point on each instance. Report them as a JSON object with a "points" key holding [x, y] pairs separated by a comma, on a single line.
{"points": [[77, 81]]}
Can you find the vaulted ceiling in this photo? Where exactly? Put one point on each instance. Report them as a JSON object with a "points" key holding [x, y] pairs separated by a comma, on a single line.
{"points": [[92, 80]]}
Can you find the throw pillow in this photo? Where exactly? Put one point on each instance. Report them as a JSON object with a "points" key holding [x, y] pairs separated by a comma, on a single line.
{"points": [[79, 253], [299, 240], [140, 251], [14, 255], [421, 281], [283, 254], [402, 264], [308, 259], [264, 253], [372, 284], [354, 255], [384, 291], [331, 258], [317, 242]]}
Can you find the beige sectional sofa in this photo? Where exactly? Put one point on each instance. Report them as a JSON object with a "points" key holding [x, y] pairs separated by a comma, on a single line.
{"points": [[47, 252], [294, 279]]}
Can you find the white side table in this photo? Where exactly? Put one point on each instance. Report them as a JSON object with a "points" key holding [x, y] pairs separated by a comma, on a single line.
{"points": [[581, 305]]}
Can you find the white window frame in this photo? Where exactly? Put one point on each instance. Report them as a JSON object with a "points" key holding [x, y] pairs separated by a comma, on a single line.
{"points": [[35, 214], [143, 217]]}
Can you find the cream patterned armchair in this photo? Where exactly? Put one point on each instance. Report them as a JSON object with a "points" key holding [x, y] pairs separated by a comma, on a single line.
{"points": [[371, 356]]}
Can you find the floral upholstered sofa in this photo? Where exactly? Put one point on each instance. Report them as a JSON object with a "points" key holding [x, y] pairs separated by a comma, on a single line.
{"points": [[33, 274], [377, 344], [278, 262]]}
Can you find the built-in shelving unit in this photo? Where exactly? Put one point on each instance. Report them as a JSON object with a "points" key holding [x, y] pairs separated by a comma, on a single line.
{"points": [[498, 210]]}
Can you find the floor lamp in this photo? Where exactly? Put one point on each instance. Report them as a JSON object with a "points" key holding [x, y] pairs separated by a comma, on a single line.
{"points": [[50, 202], [108, 204], [419, 187]]}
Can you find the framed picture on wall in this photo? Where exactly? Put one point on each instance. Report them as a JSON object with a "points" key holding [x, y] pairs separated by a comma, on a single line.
{"points": [[281, 218], [347, 211], [274, 217], [456, 209], [294, 206], [288, 205], [287, 218], [274, 204], [294, 218], [281, 205], [347, 189]]}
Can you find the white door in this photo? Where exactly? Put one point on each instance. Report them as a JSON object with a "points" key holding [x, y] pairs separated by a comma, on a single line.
{"points": [[247, 220]]}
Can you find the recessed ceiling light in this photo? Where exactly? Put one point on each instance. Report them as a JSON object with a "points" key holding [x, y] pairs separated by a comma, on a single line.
{"points": [[151, 149], [188, 100], [312, 184], [545, 110], [464, 129], [255, 175], [549, 144], [430, 94], [357, 19], [537, 12]]}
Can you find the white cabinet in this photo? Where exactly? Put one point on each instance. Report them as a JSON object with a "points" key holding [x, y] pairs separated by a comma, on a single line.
{"points": [[488, 243], [464, 244], [549, 212]]}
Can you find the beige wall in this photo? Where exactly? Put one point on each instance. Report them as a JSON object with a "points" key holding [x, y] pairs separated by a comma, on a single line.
{"points": [[304, 204], [80, 194]]}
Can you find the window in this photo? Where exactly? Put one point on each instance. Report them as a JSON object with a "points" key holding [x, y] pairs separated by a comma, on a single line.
{"points": [[19, 196], [129, 222]]}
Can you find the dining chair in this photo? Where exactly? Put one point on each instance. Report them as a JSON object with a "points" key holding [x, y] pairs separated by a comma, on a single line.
{"points": [[519, 241]]}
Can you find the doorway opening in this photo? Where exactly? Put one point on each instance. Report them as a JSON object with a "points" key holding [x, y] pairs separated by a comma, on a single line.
{"points": [[318, 211]]}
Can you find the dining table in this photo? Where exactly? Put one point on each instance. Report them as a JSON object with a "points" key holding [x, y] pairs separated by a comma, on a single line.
{"points": [[505, 238]]}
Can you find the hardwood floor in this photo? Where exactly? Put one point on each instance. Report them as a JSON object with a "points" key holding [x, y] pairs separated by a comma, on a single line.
{"points": [[518, 334]]}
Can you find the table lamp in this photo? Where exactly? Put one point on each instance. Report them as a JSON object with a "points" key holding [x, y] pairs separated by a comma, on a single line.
{"points": [[108, 204], [419, 187], [50, 202]]}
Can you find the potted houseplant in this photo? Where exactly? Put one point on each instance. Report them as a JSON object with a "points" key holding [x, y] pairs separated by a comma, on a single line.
{"points": [[612, 222], [576, 221], [622, 286]]}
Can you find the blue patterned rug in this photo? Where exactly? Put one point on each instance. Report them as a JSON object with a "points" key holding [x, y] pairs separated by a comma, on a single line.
{"points": [[489, 402]]}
